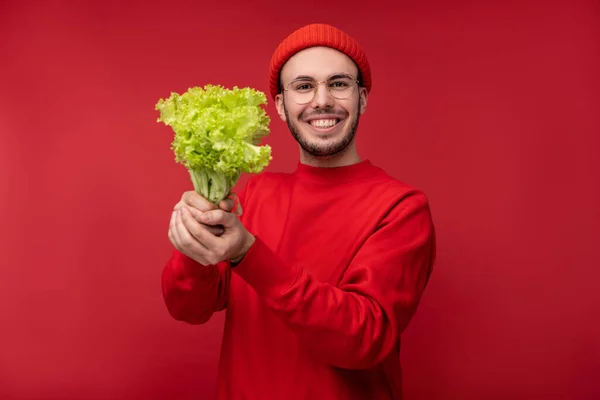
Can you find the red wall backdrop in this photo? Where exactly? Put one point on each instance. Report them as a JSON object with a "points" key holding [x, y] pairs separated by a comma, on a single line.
{"points": [[490, 107]]}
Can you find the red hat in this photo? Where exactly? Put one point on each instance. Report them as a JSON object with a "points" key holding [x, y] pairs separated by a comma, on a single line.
{"points": [[317, 35]]}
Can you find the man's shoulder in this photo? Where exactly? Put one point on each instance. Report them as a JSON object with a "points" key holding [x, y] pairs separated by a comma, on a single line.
{"points": [[396, 198], [265, 180], [395, 187]]}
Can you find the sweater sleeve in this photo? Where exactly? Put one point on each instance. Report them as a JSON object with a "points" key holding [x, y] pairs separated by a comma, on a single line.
{"points": [[357, 323], [194, 292]]}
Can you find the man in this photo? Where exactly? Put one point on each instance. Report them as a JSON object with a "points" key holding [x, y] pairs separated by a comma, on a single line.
{"points": [[326, 266]]}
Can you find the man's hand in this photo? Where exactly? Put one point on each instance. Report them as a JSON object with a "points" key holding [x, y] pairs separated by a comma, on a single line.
{"points": [[189, 234], [196, 201]]}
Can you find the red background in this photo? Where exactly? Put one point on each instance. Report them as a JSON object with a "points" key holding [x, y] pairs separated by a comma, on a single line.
{"points": [[490, 107]]}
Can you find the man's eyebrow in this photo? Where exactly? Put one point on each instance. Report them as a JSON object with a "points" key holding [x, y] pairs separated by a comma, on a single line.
{"points": [[304, 78], [336, 75], [339, 75]]}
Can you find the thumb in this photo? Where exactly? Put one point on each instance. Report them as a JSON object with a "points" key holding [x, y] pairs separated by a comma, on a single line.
{"points": [[226, 205], [219, 217]]}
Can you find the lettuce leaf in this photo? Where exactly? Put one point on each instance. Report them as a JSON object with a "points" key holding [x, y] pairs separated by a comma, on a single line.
{"points": [[217, 135]]}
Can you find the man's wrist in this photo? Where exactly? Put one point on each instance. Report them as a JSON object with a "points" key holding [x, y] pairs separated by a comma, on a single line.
{"points": [[250, 239]]}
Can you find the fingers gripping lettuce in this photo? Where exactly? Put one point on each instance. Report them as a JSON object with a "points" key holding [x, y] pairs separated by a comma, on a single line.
{"points": [[217, 135]]}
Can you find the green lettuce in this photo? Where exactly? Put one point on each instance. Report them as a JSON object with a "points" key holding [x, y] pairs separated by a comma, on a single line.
{"points": [[217, 135]]}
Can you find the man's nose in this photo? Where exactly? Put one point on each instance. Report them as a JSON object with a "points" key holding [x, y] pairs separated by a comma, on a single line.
{"points": [[322, 98]]}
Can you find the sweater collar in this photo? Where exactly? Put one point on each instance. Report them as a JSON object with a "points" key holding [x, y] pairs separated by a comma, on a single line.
{"points": [[335, 175]]}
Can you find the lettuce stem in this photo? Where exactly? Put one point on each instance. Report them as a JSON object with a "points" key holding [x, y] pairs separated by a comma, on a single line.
{"points": [[212, 185]]}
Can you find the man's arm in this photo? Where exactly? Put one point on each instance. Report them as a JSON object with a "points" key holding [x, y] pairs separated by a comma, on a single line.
{"points": [[194, 289], [357, 323]]}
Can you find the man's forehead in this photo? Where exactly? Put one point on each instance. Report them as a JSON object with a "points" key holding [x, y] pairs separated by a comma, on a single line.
{"points": [[319, 63]]}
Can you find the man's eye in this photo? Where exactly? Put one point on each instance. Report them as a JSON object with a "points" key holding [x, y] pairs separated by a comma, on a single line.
{"points": [[301, 87], [339, 84]]}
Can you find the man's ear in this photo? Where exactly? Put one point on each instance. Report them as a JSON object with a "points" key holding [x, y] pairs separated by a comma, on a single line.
{"points": [[280, 107], [363, 95]]}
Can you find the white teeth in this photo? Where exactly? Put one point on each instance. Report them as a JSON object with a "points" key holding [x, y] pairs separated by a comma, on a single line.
{"points": [[323, 123]]}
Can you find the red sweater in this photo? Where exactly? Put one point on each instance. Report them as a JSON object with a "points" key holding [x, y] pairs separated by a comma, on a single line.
{"points": [[316, 307]]}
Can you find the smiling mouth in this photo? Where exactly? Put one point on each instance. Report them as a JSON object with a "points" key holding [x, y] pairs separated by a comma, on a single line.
{"points": [[323, 124]]}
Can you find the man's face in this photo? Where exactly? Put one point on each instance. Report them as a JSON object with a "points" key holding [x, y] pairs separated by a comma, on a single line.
{"points": [[324, 126]]}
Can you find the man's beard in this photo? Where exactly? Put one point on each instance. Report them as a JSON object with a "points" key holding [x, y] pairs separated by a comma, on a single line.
{"points": [[322, 149]]}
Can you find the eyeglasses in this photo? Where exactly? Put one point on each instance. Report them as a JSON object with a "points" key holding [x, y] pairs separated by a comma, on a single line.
{"points": [[303, 90]]}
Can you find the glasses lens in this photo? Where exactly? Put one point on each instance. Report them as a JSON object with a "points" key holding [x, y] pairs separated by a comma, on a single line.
{"points": [[302, 91], [341, 88]]}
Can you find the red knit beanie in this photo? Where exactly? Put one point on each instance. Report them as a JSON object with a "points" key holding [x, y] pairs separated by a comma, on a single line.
{"points": [[317, 35]]}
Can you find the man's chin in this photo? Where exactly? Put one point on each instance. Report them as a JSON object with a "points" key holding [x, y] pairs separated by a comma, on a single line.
{"points": [[322, 146]]}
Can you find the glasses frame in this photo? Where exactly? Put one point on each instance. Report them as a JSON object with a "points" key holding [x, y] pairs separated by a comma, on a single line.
{"points": [[355, 83]]}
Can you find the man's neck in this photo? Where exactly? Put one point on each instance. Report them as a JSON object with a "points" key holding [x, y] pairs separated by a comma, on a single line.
{"points": [[348, 156]]}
